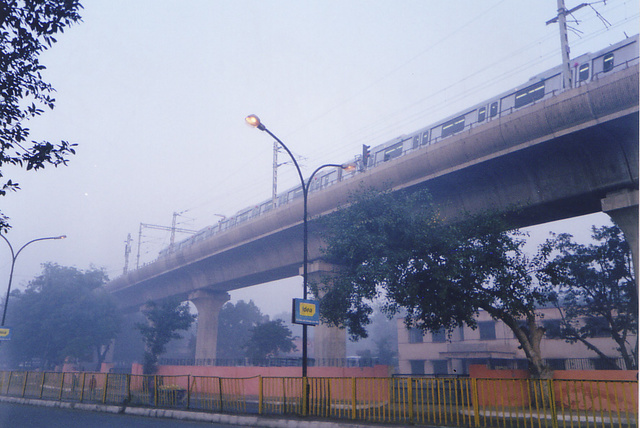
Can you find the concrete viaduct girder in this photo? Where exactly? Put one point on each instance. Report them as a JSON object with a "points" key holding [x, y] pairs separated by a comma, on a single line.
{"points": [[556, 159]]}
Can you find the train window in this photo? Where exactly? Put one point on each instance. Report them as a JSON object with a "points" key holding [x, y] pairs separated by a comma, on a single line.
{"points": [[493, 109], [482, 114], [416, 141], [583, 72], [529, 94], [452, 126], [393, 152], [607, 64]]}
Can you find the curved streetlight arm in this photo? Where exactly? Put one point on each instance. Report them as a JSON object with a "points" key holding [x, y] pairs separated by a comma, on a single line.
{"points": [[254, 121], [14, 256]]}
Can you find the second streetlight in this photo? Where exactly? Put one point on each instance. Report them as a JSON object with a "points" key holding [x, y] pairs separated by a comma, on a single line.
{"points": [[254, 121]]}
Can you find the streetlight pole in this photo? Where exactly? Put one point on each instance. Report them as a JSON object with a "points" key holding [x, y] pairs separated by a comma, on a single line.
{"points": [[254, 121], [14, 256]]}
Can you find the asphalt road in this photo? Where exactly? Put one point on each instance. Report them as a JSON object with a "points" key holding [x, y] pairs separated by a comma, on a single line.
{"points": [[25, 416]]}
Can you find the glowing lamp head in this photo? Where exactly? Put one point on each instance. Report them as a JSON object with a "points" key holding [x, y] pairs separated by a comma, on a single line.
{"points": [[254, 121]]}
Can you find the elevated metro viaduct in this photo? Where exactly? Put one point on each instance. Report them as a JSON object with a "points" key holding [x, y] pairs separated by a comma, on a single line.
{"points": [[569, 155]]}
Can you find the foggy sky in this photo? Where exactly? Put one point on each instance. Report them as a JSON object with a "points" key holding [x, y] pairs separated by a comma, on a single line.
{"points": [[155, 93]]}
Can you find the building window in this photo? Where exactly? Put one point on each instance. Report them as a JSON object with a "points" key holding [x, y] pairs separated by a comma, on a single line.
{"points": [[439, 336], [487, 330], [583, 72], [415, 335], [417, 367], [440, 367], [553, 329], [607, 64], [461, 329]]}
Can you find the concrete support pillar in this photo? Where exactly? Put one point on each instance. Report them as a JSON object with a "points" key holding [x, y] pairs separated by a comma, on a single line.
{"points": [[208, 303], [622, 207], [330, 343]]}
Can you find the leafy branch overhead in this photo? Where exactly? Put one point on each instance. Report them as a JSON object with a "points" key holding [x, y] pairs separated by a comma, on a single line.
{"points": [[27, 29]]}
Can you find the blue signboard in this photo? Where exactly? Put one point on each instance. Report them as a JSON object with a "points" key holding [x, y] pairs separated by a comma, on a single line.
{"points": [[305, 312], [5, 333]]}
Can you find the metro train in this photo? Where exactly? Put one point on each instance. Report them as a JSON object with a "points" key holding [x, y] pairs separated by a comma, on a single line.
{"points": [[585, 68]]}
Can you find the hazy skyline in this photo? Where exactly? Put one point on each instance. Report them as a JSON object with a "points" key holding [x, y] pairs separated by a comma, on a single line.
{"points": [[155, 93]]}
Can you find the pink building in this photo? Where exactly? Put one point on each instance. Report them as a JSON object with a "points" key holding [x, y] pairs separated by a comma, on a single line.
{"points": [[493, 344]]}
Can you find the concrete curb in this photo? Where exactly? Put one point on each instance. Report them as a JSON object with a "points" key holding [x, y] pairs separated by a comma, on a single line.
{"points": [[184, 415]]}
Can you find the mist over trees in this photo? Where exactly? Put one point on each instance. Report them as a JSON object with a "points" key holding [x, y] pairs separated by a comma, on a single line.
{"points": [[27, 29], [64, 314], [164, 320]]}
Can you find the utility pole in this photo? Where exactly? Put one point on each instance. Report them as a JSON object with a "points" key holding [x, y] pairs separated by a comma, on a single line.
{"points": [[171, 229], [127, 251], [275, 173], [561, 19]]}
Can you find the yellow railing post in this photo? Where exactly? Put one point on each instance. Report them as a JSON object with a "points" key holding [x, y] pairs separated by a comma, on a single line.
{"points": [[552, 403], [354, 398], [106, 385], [475, 398], [42, 384], [188, 391], [260, 394], [61, 387], [155, 390], [81, 389], [220, 392], [410, 398], [305, 396], [24, 383]]}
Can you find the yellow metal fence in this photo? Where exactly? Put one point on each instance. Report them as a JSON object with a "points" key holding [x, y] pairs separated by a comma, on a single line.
{"points": [[462, 402]]}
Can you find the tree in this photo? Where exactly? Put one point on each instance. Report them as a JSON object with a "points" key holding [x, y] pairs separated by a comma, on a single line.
{"points": [[63, 313], [269, 339], [27, 28], [234, 328], [597, 291], [164, 320], [396, 246]]}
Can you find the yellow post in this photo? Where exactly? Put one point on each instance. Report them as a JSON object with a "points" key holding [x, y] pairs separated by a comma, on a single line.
{"points": [[24, 383], [104, 391], [552, 404], [354, 397], [42, 384], [476, 406], [155, 390], [188, 391], [61, 387], [81, 389], [410, 398], [305, 396], [260, 394]]}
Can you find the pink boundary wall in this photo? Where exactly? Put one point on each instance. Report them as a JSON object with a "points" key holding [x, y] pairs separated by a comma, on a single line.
{"points": [[576, 389]]}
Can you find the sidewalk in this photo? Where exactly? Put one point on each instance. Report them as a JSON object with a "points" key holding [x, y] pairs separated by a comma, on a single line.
{"points": [[240, 420]]}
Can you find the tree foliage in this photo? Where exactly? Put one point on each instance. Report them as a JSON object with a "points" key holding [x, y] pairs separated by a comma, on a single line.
{"points": [[597, 291], [396, 246], [164, 320], [63, 313], [27, 28], [269, 339], [234, 328]]}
